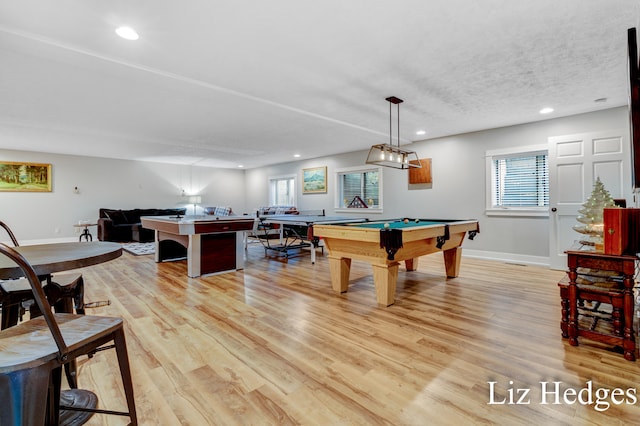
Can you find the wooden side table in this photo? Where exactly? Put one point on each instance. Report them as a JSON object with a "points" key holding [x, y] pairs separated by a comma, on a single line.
{"points": [[624, 265]]}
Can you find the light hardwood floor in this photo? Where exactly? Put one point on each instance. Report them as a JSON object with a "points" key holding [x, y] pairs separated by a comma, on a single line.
{"points": [[274, 345]]}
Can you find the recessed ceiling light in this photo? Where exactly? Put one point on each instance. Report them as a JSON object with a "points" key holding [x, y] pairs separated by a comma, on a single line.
{"points": [[421, 132], [127, 33], [296, 155], [546, 110], [240, 166]]}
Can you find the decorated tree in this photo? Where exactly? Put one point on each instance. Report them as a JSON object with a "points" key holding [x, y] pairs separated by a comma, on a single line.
{"points": [[591, 215]]}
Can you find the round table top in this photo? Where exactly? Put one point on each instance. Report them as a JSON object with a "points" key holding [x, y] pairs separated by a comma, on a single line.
{"points": [[57, 257]]}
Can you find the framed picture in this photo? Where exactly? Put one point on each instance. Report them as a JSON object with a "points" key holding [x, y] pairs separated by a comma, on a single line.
{"points": [[314, 180], [422, 174], [25, 177]]}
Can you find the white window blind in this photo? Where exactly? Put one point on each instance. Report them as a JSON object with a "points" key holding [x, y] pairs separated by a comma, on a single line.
{"points": [[361, 183], [521, 181]]}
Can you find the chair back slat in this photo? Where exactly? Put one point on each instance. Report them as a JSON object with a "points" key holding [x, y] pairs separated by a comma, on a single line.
{"points": [[39, 297], [14, 240]]}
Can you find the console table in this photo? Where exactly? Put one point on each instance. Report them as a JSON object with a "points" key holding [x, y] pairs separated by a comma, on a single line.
{"points": [[624, 265]]}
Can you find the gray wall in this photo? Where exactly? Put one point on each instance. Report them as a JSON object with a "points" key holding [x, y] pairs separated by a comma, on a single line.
{"points": [[458, 189], [47, 216]]}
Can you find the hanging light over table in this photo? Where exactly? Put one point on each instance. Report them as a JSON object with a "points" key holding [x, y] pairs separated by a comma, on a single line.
{"points": [[390, 155]]}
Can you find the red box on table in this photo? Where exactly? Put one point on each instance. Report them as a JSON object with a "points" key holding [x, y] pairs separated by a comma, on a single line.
{"points": [[621, 230]]}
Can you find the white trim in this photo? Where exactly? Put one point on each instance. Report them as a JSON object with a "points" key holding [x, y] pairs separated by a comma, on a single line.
{"points": [[506, 257], [270, 180], [514, 211], [493, 154], [364, 168], [372, 211], [506, 152]]}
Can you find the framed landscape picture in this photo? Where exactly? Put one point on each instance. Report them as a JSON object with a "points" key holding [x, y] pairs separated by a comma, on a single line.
{"points": [[25, 177], [314, 180]]}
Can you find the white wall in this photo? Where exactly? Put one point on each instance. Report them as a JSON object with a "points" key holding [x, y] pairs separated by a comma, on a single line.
{"points": [[458, 190], [45, 216]]}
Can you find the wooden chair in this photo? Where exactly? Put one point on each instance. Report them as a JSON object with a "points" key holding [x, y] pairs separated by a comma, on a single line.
{"points": [[33, 352], [64, 292]]}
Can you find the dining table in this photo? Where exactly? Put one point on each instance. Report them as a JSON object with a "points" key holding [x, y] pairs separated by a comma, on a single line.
{"points": [[50, 258], [47, 259]]}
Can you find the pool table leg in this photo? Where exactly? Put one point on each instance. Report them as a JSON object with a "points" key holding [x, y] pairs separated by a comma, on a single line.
{"points": [[411, 264], [385, 277], [339, 268], [452, 261]]}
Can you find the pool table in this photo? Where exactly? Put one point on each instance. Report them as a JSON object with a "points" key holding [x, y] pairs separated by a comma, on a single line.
{"points": [[385, 243]]}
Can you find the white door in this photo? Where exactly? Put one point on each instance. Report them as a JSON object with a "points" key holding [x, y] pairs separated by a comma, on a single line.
{"points": [[575, 161]]}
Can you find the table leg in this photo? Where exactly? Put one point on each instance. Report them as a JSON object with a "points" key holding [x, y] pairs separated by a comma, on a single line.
{"points": [[629, 341], [313, 254], [452, 261], [86, 235], [193, 256], [339, 268], [385, 278], [411, 264], [572, 295]]}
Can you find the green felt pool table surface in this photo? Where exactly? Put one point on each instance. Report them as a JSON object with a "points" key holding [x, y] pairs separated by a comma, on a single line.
{"points": [[400, 223]]}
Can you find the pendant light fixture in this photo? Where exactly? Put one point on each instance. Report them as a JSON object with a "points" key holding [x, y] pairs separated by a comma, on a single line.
{"points": [[390, 155]]}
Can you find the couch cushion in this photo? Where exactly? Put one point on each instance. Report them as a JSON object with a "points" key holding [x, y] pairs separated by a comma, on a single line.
{"points": [[171, 212], [118, 217]]}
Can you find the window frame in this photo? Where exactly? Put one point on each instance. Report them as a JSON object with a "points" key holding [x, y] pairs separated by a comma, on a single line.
{"points": [[522, 151], [273, 185], [338, 189]]}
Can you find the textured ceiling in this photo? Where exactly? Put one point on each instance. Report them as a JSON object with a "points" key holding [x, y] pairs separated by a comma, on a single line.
{"points": [[223, 83]]}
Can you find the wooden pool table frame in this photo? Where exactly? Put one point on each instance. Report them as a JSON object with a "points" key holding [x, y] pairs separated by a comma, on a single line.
{"points": [[347, 242]]}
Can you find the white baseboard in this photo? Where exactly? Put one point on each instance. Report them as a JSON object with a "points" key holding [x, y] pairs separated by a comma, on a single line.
{"points": [[507, 257]]}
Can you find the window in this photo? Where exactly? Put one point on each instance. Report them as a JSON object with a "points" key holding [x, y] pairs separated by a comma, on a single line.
{"points": [[282, 191], [518, 181], [359, 185]]}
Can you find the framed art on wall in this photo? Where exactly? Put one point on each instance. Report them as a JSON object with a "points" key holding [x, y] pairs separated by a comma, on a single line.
{"points": [[25, 177], [420, 178], [314, 180]]}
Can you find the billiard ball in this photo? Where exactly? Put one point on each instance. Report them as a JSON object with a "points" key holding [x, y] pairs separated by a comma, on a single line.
{"points": [[406, 220], [386, 225], [417, 220]]}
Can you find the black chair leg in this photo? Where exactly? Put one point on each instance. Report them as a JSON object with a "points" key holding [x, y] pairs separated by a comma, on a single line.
{"points": [[53, 400], [125, 374]]}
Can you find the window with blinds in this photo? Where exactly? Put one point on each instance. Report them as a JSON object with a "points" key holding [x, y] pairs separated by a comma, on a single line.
{"points": [[357, 186], [520, 181]]}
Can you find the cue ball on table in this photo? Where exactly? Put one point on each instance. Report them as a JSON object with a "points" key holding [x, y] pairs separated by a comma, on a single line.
{"points": [[386, 225]]}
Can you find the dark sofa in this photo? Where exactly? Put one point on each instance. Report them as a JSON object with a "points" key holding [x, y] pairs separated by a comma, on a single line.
{"points": [[124, 225]]}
